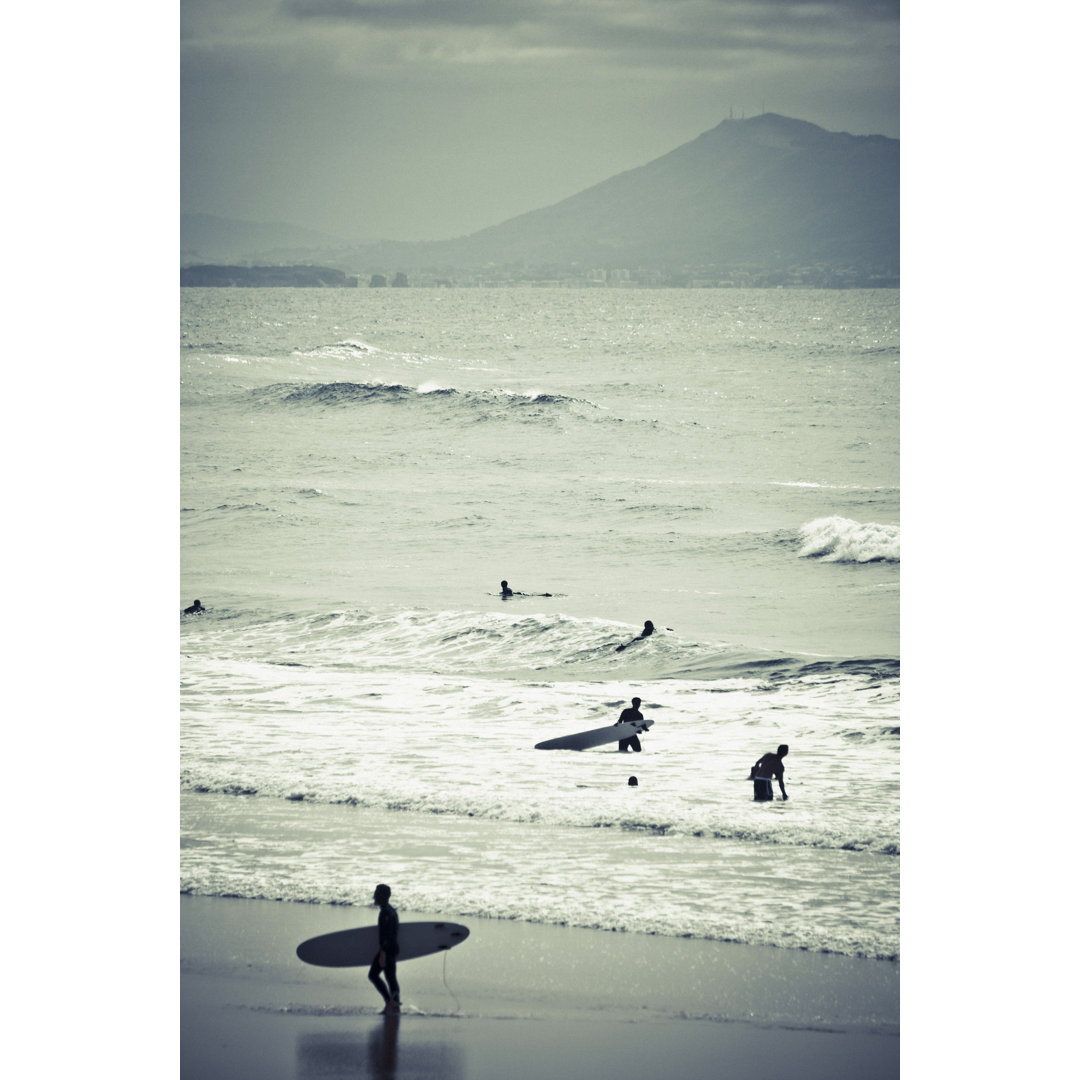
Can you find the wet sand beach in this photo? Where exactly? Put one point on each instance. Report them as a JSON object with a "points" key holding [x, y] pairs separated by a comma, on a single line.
{"points": [[523, 1000]]}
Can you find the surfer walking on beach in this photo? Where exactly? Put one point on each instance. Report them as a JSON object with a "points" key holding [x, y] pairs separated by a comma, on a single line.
{"points": [[649, 628], [386, 958], [631, 716], [762, 772]]}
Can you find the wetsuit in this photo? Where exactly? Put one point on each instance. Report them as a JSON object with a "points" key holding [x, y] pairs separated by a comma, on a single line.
{"points": [[388, 943], [630, 716], [763, 771], [649, 628]]}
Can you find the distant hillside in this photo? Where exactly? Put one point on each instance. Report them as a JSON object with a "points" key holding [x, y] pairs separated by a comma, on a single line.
{"points": [[768, 191], [205, 238], [769, 200], [310, 277]]}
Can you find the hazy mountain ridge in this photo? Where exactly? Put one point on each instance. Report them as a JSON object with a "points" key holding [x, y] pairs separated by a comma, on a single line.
{"points": [[768, 192], [755, 190], [205, 236]]}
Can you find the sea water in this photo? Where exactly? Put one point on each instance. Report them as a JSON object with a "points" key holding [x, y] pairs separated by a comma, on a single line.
{"points": [[360, 469]]}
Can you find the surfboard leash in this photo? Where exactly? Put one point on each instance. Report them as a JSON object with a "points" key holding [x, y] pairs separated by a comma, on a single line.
{"points": [[445, 957]]}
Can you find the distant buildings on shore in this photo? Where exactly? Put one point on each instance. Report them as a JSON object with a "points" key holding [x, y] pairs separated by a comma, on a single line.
{"points": [[688, 277]]}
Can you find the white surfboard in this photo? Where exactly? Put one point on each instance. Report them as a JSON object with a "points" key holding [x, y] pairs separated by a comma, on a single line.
{"points": [[358, 947]]}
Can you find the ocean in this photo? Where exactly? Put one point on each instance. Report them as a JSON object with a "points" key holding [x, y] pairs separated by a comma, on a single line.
{"points": [[361, 469]]}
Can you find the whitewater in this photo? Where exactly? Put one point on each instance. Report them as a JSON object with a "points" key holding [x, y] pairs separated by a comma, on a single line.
{"points": [[360, 469]]}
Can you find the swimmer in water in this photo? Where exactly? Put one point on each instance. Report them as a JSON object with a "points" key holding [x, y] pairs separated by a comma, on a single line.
{"points": [[649, 628]]}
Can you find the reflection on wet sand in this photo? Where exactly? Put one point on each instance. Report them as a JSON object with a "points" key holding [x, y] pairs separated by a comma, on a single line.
{"points": [[325, 1055]]}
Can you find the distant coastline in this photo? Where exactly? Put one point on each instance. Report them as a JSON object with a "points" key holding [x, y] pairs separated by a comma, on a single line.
{"points": [[315, 277], [571, 277]]}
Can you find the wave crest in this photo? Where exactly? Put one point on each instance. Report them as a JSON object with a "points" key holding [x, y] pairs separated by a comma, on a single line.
{"points": [[839, 539], [552, 646], [445, 401]]}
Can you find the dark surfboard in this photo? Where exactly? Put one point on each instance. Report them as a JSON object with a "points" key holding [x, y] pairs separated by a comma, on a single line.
{"points": [[583, 740]]}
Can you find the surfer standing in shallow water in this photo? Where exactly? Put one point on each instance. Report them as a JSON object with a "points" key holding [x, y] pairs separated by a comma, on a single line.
{"points": [[631, 716], [764, 769], [386, 957]]}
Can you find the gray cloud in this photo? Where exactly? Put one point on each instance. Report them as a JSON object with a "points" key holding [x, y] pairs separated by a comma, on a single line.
{"points": [[471, 13], [515, 12], [681, 33], [600, 25]]}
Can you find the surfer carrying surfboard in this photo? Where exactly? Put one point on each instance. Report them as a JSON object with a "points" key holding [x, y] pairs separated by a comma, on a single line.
{"points": [[631, 716], [386, 958]]}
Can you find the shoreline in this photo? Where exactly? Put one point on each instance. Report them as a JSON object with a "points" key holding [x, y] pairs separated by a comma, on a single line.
{"points": [[643, 882], [522, 999]]}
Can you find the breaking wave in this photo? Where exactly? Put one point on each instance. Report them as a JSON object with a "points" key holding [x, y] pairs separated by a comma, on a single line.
{"points": [[838, 539]]}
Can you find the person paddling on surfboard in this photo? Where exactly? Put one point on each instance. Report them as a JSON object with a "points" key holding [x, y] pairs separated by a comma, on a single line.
{"points": [[386, 957], [507, 591], [649, 628], [630, 716], [195, 609]]}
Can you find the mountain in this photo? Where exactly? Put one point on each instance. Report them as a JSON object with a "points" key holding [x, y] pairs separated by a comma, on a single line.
{"points": [[769, 200], [769, 191]]}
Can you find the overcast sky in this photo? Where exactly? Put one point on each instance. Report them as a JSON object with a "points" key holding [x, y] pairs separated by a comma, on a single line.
{"points": [[427, 119]]}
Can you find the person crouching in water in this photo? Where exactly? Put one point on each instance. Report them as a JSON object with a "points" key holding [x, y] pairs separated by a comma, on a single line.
{"points": [[386, 957], [764, 769]]}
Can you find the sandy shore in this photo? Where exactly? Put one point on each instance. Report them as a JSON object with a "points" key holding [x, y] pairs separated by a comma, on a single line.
{"points": [[523, 1001]]}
